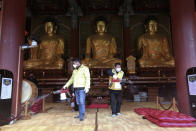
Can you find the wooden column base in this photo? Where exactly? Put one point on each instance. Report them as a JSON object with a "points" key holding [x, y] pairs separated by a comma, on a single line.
{"points": [[43, 106], [26, 114], [26, 117]]}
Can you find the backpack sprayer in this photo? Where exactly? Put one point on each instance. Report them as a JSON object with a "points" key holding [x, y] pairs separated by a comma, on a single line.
{"points": [[62, 93]]}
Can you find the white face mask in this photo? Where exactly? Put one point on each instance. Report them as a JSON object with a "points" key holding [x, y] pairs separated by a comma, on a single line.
{"points": [[118, 69], [74, 65]]}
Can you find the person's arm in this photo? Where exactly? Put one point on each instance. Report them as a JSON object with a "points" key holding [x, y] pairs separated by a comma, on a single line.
{"points": [[123, 76], [110, 73], [69, 82], [123, 80], [110, 81], [87, 79]]}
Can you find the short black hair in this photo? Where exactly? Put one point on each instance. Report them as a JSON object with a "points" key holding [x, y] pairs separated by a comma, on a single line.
{"points": [[117, 64], [75, 59]]}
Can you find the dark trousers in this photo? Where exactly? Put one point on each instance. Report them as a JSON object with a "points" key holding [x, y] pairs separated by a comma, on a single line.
{"points": [[115, 99]]}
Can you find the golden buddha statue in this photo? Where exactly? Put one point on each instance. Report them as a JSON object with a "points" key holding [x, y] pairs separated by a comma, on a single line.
{"points": [[100, 48], [154, 47], [49, 52]]}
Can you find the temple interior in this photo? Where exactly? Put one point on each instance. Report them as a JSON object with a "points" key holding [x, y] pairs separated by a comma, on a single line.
{"points": [[60, 118], [153, 40]]}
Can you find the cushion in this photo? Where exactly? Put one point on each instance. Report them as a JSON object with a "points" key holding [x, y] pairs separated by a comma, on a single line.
{"points": [[144, 111], [171, 116], [169, 124], [166, 118]]}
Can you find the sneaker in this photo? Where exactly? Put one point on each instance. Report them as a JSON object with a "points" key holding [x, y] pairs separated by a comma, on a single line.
{"points": [[76, 117], [113, 115], [118, 114], [82, 119]]}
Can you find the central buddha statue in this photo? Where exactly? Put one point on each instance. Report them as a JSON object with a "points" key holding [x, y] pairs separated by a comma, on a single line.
{"points": [[154, 48], [101, 48], [49, 52]]}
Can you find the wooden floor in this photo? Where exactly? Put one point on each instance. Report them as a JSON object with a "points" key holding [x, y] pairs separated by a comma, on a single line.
{"points": [[60, 118]]}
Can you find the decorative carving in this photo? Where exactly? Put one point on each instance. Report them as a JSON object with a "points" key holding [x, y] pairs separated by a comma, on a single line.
{"points": [[126, 8], [131, 64], [73, 9], [48, 6]]}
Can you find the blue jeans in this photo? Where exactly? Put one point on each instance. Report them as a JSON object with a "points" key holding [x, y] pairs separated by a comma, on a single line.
{"points": [[80, 100]]}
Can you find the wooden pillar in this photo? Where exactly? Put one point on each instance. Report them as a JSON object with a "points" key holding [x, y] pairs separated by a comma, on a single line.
{"points": [[12, 36], [74, 37], [127, 44], [126, 36], [184, 40]]}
